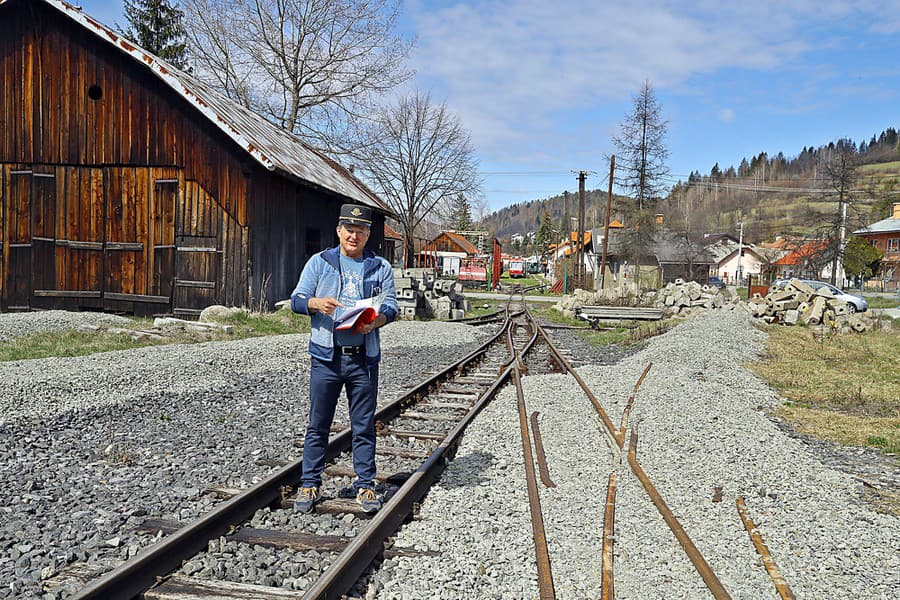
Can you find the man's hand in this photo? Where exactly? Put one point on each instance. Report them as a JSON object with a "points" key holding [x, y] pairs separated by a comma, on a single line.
{"points": [[324, 305], [369, 327]]}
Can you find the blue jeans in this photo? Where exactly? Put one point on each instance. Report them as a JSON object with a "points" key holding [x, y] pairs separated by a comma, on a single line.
{"points": [[326, 378]]}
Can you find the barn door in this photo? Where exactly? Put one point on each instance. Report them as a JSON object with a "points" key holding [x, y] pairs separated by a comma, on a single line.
{"points": [[125, 266], [198, 259], [43, 236], [140, 238], [16, 238], [79, 237]]}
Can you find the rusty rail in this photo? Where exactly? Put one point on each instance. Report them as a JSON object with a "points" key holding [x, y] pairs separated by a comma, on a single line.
{"points": [[709, 577], [621, 436], [539, 450], [607, 589], [542, 554], [781, 586]]}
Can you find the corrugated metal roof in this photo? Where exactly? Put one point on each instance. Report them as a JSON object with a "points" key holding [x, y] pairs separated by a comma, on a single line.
{"points": [[271, 146], [888, 225]]}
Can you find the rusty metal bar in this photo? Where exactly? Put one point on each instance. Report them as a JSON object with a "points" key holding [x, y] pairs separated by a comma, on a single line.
{"points": [[781, 586], [625, 413], [542, 555], [539, 450], [609, 524], [712, 582]]}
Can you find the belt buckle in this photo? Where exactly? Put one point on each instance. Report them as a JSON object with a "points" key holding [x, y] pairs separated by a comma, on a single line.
{"points": [[348, 350]]}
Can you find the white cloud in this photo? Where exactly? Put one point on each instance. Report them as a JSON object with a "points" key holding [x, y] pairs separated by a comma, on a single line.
{"points": [[726, 115], [515, 69]]}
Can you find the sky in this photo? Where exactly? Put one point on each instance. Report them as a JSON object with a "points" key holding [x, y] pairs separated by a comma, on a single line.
{"points": [[543, 86]]}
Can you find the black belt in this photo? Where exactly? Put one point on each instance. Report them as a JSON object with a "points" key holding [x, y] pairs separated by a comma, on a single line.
{"points": [[351, 349]]}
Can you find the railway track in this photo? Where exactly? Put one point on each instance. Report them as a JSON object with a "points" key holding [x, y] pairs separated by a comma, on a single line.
{"points": [[418, 434]]}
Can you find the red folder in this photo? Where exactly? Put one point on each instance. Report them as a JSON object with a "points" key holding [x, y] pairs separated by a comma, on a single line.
{"points": [[355, 318]]}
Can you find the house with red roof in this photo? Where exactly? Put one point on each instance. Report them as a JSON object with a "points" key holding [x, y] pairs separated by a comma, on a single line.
{"points": [[810, 259], [885, 235]]}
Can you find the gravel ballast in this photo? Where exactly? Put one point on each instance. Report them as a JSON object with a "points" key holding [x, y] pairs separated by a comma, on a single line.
{"points": [[94, 445], [702, 424]]}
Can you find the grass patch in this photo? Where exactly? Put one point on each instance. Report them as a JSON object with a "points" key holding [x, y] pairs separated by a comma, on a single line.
{"points": [[842, 388], [883, 301], [76, 343], [66, 343]]}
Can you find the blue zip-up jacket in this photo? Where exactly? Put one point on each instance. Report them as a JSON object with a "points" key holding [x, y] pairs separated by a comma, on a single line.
{"points": [[321, 278]]}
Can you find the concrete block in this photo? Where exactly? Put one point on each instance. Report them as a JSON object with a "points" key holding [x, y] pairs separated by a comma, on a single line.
{"points": [[457, 314], [406, 294], [790, 317], [407, 313]]}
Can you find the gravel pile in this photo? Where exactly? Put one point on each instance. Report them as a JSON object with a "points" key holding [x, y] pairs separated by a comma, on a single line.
{"points": [[94, 445], [13, 325], [702, 422]]}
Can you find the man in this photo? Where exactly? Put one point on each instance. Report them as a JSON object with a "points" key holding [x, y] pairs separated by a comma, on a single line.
{"points": [[332, 281]]}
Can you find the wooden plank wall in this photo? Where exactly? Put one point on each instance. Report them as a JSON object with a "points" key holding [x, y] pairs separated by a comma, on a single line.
{"points": [[77, 101]]}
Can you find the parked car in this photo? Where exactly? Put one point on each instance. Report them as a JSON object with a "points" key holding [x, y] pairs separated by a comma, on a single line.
{"points": [[716, 282], [854, 302]]}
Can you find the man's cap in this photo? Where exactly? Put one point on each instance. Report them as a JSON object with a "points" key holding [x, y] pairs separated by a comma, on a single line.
{"points": [[356, 215]]}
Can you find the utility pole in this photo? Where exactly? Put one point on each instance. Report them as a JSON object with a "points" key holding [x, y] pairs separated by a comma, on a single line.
{"points": [[579, 269], [740, 268], [842, 231], [612, 170], [567, 225]]}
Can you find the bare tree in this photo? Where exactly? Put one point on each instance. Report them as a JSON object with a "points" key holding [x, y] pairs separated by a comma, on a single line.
{"points": [[641, 155], [314, 67], [840, 172], [641, 149], [420, 156]]}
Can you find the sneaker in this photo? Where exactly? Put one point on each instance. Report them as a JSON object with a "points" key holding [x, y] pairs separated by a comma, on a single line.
{"points": [[366, 498], [306, 499]]}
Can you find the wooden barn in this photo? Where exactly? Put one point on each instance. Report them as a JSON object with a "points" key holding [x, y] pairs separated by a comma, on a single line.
{"points": [[128, 185]]}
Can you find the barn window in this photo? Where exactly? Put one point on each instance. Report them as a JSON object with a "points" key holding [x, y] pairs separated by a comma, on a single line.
{"points": [[95, 92]]}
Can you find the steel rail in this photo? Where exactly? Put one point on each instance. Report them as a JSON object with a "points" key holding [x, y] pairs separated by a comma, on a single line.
{"points": [[709, 577], [346, 569], [543, 469], [781, 585], [628, 405], [141, 572], [607, 589], [608, 428], [542, 554]]}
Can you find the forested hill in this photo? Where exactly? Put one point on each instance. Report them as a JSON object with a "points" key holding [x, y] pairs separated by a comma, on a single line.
{"points": [[772, 195]]}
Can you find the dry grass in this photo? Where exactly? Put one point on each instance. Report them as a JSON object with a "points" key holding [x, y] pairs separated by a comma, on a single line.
{"points": [[843, 388], [853, 374]]}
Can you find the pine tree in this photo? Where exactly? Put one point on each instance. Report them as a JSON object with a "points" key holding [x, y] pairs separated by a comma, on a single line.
{"points": [[156, 26], [545, 233], [460, 214]]}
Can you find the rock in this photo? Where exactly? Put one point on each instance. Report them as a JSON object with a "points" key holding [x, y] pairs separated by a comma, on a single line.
{"points": [[217, 312]]}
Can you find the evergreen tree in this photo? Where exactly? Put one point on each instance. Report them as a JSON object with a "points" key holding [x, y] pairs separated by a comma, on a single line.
{"points": [[545, 233], [460, 214], [156, 26]]}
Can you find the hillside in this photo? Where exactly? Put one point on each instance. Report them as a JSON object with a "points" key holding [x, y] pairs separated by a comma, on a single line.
{"points": [[772, 196]]}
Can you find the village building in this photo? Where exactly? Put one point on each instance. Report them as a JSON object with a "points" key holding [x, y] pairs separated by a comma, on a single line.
{"points": [[729, 254], [447, 252], [128, 185], [885, 235]]}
